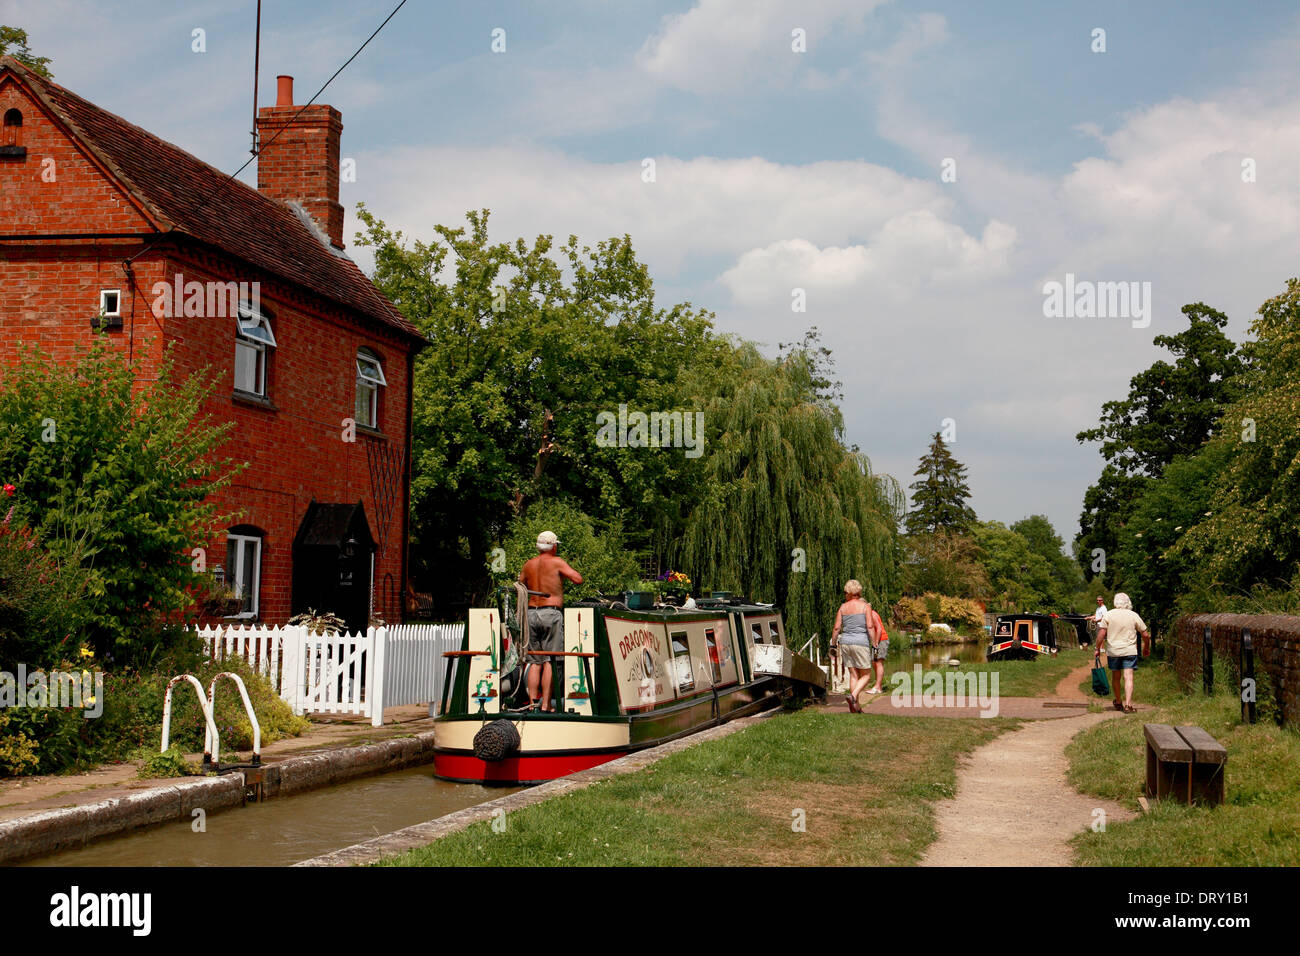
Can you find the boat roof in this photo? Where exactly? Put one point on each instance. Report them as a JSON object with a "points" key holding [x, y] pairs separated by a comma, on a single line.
{"points": [[703, 606]]}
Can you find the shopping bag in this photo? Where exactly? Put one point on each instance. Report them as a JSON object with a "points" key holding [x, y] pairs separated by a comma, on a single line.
{"points": [[1100, 682]]}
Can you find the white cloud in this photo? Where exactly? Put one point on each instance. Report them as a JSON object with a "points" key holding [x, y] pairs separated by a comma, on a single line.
{"points": [[909, 251], [698, 208], [724, 45]]}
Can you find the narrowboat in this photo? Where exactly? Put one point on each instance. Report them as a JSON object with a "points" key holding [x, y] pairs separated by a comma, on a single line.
{"points": [[627, 680], [1022, 637]]}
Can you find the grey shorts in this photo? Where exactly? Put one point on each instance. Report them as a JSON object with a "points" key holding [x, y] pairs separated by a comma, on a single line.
{"points": [[546, 631], [880, 650]]}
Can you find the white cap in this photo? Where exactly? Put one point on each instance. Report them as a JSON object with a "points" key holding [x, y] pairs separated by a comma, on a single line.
{"points": [[546, 541]]}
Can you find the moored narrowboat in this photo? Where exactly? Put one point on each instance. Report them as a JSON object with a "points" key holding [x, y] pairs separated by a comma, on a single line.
{"points": [[1022, 637], [627, 680]]}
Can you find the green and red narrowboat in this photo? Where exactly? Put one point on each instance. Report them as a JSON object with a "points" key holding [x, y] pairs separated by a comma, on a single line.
{"points": [[629, 679]]}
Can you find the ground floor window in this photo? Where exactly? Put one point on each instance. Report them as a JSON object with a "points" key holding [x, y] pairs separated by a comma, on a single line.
{"points": [[244, 570]]}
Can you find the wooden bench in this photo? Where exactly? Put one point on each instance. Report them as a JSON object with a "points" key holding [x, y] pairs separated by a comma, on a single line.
{"points": [[1184, 763]]}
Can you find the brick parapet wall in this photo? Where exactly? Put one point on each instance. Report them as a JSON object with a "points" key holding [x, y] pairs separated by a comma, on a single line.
{"points": [[1276, 642]]}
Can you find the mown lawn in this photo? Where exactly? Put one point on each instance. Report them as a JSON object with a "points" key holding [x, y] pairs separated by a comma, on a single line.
{"points": [[1258, 825], [1036, 678], [863, 787]]}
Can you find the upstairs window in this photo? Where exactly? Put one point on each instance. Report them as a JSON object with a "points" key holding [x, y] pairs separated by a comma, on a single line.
{"points": [[12, 135], [253, 341], [370, 379]]}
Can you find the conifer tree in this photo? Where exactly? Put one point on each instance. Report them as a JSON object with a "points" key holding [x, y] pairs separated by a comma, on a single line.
{"points": [[939, 497]]}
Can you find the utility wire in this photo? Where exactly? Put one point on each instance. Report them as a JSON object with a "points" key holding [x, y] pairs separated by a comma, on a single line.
{"points": [[226, 182]]}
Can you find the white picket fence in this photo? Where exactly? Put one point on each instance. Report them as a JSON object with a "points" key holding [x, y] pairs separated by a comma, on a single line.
{"points": [[343, 673]]}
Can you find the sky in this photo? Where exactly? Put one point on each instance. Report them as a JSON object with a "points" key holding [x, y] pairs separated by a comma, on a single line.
{"points": [[921, 171]]}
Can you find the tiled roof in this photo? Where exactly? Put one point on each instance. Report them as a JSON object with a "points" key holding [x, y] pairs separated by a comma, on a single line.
{"points": [[173, 186]]}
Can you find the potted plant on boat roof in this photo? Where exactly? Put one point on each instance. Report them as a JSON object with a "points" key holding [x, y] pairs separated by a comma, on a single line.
{"points": [[675, 582]]}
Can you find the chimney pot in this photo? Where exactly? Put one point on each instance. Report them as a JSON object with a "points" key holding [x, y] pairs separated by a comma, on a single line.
{"points": [[284, 90]]}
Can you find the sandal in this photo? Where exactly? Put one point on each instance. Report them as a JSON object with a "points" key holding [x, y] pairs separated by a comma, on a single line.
{"points": [[854, 708], [1130, 710], [1117, 705]]}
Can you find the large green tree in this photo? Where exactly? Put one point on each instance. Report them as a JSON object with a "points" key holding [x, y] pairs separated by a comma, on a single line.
{"points": [[1171, 409], [939, 496], [1249, 534], [782, 511], [530, 343]]}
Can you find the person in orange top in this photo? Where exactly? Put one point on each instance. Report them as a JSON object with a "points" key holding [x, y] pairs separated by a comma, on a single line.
{"points": [[545, 575]]}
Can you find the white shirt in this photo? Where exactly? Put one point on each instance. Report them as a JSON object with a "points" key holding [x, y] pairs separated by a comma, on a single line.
{"points": [[1101, 612], [1122, 628]]}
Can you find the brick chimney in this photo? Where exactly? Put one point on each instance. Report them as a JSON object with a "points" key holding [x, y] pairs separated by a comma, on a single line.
{"points": [[302, 165]]}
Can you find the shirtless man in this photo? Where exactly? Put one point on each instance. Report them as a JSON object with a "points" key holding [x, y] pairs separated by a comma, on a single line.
{"points": [[546, 574]]}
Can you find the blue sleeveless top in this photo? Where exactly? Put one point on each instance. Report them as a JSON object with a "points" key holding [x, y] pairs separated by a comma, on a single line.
{"points": [[854, 630]]}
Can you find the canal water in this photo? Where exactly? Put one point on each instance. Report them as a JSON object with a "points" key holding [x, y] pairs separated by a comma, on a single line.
{"points": [[931, 656], [287, 830]]}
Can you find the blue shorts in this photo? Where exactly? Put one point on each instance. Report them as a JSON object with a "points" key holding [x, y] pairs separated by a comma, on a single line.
{"points": [[1126, 663]]}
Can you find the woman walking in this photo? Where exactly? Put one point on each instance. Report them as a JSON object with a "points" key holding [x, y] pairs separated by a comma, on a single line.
{"points": [[852, 638], [1118, 634]]}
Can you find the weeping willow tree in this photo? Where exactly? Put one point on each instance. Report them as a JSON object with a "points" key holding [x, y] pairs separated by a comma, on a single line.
{"points": [[785, 511]]}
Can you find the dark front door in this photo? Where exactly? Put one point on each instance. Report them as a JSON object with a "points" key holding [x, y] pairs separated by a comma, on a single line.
{"points": [[332, 555]]}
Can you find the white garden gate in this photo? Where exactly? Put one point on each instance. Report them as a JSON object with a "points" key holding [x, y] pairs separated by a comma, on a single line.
{"points": [[343, 673]]}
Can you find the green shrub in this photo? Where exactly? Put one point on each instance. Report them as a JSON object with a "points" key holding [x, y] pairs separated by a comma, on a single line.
{"points": [[910, 613], [168, 763], [42, 611], [18, 754], [598, 556], [113, 470]]}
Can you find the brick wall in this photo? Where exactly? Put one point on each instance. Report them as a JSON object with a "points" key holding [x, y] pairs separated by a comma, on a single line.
{"points": [[57, 187], [1276, 642], [294, 443]]}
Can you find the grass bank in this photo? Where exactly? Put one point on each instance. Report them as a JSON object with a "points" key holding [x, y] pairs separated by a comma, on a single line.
{"points": [[1036, 678], [863, 787], [1258, 825]]}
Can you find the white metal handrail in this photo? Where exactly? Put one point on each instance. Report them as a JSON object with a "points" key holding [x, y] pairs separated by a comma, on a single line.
{"points": [[248, 708], [210, 736]]}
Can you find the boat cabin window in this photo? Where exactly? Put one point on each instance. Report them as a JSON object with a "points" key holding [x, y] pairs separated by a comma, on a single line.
{"points": [[774, 633], [756, 631], [1024, 631], [682, 662], [715, 662]]}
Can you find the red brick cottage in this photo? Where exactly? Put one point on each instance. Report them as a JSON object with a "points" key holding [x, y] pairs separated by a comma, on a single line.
{"points": [[102, 223]]}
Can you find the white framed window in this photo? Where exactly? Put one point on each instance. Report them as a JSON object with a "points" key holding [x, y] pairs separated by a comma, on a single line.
{"points": [[110, 303], [244, 570], [682, 661], [253, 340], [370, 379]]}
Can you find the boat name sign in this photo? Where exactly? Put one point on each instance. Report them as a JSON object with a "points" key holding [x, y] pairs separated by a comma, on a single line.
{"points": [[638, 638]]}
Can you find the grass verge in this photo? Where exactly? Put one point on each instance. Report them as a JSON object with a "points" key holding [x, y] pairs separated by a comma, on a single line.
{"points": [[1037, 678], [863, 787], [1259, 822]]}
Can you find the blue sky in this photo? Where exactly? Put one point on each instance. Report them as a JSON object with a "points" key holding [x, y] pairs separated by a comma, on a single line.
{"points": [[817, 170]]}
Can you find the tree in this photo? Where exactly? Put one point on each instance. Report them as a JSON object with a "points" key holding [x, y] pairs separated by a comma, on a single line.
{"points": [[529, 345], [599, 557], [782, 511], [13, 42], [114, 473], [1171, 410], [1019, 579], [939, 498], [1043, 541], [1248, 534], [944, 563]]}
